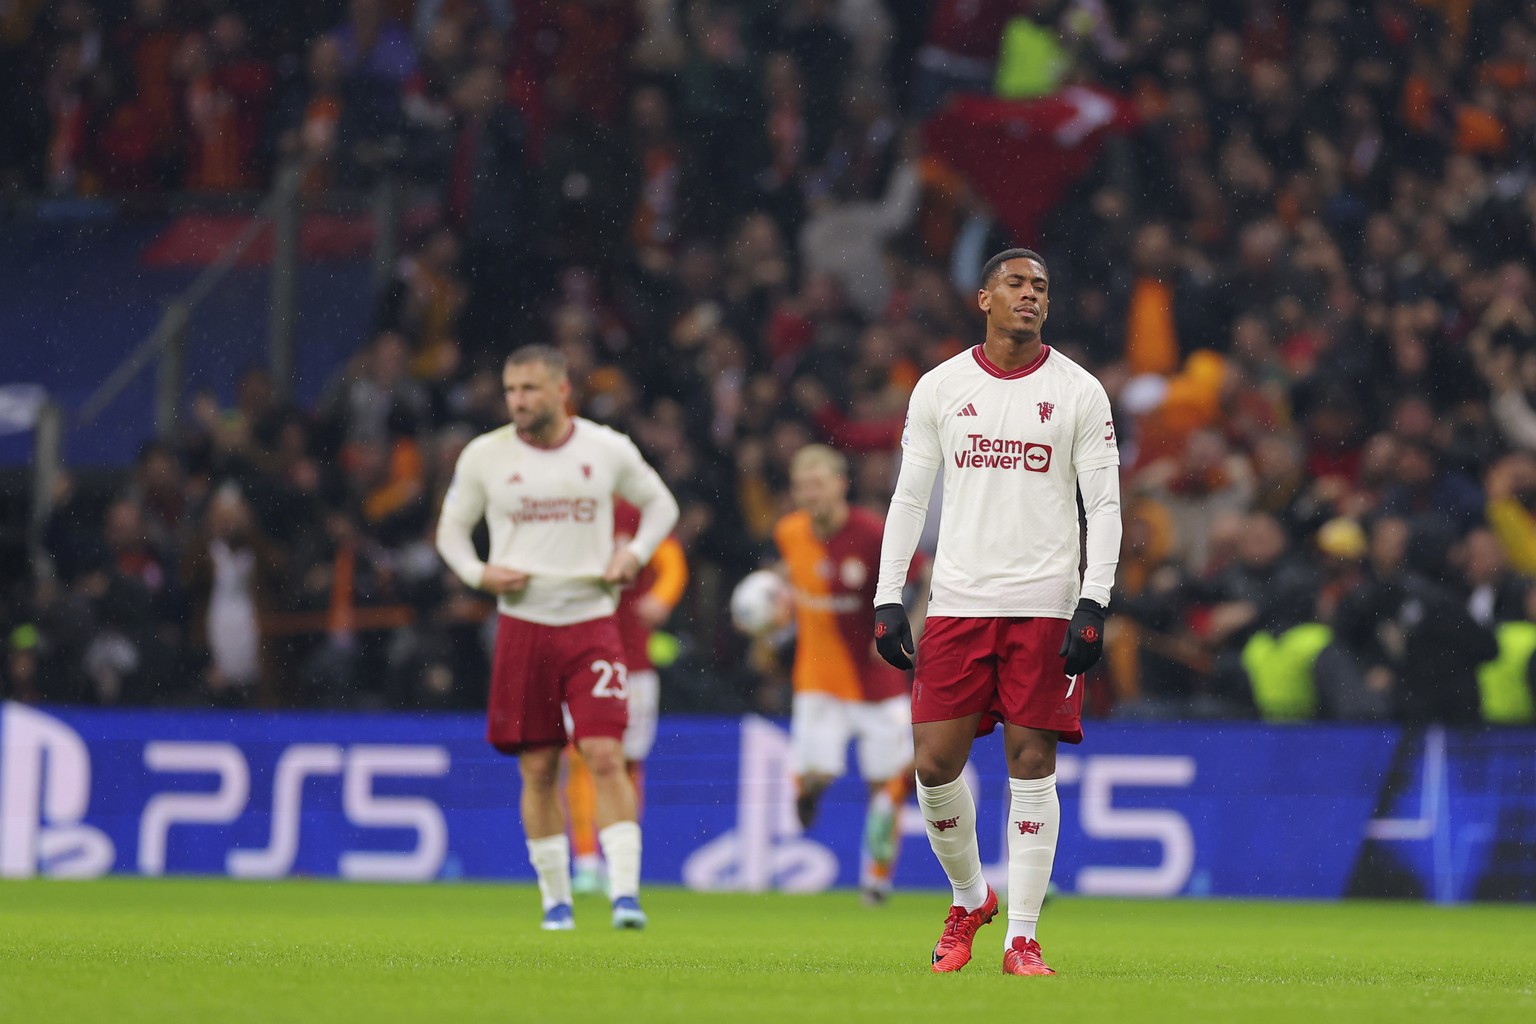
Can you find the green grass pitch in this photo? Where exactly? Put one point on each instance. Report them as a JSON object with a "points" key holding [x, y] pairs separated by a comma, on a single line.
{"points": [[184, 951]]}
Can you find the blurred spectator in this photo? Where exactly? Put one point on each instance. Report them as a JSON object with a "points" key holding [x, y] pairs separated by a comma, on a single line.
{"points": [[76, 93], [140, 137], [1442, 645], [230, 577], [809, 32], [1511, 490], [335, 116], [1267, 591], [719, 102], [491, 201], [961, 49], [1495, 594], [658, 181], [107, 624], [377, 398], [423, 302], [343, 571], [1153, 661], [1351, 680], [225, 95], [1425, 488], [159, 487], [1206, 481], [590, 42], [785, 141], [427, 94], [1162, 301], [846, 241], [372, 45], [864, 147]]}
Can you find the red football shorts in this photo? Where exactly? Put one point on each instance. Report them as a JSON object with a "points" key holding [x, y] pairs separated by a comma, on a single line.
{"points": [[1005, 669], [538, 668]]}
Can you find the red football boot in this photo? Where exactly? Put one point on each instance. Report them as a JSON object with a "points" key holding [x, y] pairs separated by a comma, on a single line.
{"points": [[953, 950], [1023, 957]]}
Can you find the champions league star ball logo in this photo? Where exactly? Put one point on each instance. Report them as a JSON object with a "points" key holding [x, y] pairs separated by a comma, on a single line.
{"points": [[1046, 408]]}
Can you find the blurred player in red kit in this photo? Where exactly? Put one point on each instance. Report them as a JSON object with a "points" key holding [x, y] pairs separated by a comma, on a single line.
{"points": [[643, 607]]}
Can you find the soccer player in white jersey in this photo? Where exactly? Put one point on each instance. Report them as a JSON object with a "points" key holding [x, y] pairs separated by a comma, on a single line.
{"points": [[544, 484], [1020, 430]]}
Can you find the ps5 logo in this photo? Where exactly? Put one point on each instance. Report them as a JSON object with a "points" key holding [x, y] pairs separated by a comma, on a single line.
{"points": [[359, 765], [45, 789]]}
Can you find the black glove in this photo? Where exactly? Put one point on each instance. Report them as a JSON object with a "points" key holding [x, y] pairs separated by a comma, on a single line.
{"points": [[893, 635], [1084, 643]]}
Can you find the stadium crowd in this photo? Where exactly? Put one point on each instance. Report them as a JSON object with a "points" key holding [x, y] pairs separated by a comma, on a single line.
{"points": [[1298, 255]]}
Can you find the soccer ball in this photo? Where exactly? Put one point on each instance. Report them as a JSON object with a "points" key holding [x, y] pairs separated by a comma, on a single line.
{"points": [[760, 602]]}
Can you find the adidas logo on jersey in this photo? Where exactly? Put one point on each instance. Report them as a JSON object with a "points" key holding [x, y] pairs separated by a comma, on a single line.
{"points": [[969, 410]]}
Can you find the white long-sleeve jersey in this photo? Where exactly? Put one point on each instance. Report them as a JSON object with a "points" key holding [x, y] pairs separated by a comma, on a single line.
{"points": [[550, 513], [1015, 448]]}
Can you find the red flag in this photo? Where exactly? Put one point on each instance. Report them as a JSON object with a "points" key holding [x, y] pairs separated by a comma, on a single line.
{"points": [[1023, 155]]}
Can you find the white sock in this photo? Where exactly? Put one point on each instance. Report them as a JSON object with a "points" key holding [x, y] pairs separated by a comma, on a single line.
{"points": [[950, 815], [621, 849], [1034, 819], [551, 858]]}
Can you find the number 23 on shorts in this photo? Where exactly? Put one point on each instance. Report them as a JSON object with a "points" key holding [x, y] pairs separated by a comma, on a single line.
{"points": [[612, 679]]}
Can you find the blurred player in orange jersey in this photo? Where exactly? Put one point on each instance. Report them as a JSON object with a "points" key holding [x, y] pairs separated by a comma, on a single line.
{"points": [[643, 607], [843, 692]]}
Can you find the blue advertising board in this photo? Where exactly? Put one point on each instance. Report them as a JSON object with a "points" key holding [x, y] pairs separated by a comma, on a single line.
{"points": [[1147, 810]]}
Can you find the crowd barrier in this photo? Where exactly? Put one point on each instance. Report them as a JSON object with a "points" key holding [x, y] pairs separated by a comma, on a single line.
{"points": [[1237, 809]]}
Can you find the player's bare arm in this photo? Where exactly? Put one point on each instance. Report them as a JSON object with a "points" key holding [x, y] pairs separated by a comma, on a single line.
{"points": [[653, 611], [640, 486], [623, 567], [499, 580]]}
